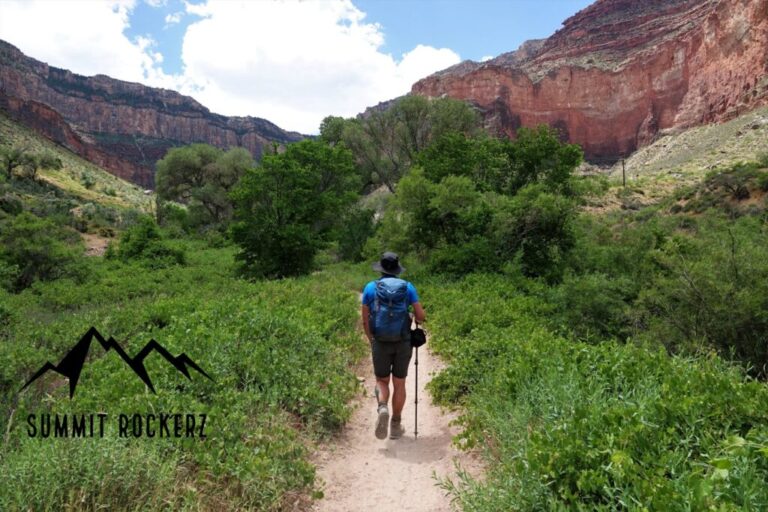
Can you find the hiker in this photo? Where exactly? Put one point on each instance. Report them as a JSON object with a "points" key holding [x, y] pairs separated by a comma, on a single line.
{"points": [[387, 324]]}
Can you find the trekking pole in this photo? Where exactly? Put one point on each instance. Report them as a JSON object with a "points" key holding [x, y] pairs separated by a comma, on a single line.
{"points": [[416, 394]]}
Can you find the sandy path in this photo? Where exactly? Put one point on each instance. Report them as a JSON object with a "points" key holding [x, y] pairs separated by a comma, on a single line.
{"points": [[361, 473]]}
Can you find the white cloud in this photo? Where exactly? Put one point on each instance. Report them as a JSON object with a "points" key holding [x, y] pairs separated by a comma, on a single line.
{"points": [[290, 62], [173, 19], [83, 36], [486, 58], [294, 63]]}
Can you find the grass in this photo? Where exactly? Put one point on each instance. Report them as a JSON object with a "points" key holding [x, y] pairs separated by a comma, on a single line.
{"points": [[279, 352]]}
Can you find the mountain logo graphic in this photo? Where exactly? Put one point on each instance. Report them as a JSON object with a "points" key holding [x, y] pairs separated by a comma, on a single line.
{"points": [[72, 363]]}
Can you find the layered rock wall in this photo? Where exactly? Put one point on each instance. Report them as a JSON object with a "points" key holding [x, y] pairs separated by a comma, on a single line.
{"points": [[124, 127], [620, 71]]}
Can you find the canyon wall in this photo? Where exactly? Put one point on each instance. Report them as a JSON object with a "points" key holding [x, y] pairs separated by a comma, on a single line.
{"points": [[620, 71], [121, 126]]}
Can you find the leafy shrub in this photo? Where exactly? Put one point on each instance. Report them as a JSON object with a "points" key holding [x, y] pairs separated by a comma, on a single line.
{"points": [[593, 307], [87, 180], [287, 208], [762, 159], [712, 289], [484, 203], [144, 241], [11, 204], [279, 352], [355, 228], [39, 250], [566, 425], [536, 227]]}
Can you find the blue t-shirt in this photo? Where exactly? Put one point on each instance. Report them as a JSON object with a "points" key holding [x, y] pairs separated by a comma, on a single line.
{"points": [[369, 294]]}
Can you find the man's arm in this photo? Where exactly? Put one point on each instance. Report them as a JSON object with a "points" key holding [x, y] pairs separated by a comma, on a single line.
{"points": [[419, 313], [365, 311]]}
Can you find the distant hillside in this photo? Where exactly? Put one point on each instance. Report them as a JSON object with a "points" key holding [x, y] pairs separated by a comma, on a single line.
{"points": [[121, 126], [79, 190], [621, 71]]}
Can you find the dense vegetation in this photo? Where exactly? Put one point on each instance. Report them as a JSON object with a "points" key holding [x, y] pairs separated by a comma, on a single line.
{"points": [[601, 361], [278, 355]]}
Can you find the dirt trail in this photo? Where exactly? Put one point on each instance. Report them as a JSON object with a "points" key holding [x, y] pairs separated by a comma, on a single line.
{"points": [[360, 472]]}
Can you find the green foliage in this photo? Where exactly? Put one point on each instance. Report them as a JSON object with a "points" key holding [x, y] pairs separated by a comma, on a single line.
{"points": [[279, 353], [87, 180], [355, 228], [535, 226], [24, 163], [571, 426], [11, 204], [725, 190], [332, 129], [538, 155], [34, 249], [287, 208], [144, 242], [481, 203], [201, 176], [712, 288], [386, 142], [504, 166], [762, 159]]}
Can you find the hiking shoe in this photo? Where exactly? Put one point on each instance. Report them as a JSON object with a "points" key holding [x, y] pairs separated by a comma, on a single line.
{"points": [[396, 430], [382, 422]]}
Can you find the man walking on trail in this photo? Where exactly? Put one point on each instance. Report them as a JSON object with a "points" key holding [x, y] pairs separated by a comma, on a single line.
{"points": [[387, 324]]}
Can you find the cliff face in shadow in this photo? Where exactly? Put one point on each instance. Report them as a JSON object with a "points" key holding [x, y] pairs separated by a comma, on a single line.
{"points": [[621, 71], [121, 126]]}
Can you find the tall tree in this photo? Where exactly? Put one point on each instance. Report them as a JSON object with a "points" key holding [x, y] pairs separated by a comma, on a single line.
{"points": [[202, 176], [386, 142], [286, 208]]}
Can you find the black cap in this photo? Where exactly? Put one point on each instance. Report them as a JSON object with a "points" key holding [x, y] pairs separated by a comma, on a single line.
{"points": [[389, 264]]}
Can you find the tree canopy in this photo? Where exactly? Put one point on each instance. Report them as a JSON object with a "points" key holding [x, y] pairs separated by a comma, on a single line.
{"points": [[201, 176], [286, 208], [386, 142]]}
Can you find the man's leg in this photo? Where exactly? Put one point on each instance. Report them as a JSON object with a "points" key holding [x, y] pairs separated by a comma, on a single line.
{"points": [[383, 356], [398, 397], [383, 384], [399, 373]]}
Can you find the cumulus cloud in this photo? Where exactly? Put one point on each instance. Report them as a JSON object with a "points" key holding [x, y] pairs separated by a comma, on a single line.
{"points": [[83, 36], [173, 18], [290, 62], [486, 58]]}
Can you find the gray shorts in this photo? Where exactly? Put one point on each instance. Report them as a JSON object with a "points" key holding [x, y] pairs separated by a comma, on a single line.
{"points": [[391, 358]]}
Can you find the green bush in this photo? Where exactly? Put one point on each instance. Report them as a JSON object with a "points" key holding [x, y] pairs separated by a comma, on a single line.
{"points": [[34, 249], [289, 207], [11, 204], [566, 425], [279, 353], [356, 227], [144, 241], [483, 203], [593, 307], [87, 180], [712, 289]]}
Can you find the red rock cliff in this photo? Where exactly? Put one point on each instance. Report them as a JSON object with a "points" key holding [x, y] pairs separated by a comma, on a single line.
{"points": [[124, 127], [621, 70]]}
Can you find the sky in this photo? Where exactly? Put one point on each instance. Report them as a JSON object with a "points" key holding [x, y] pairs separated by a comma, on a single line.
{"points": [[291, 62]]}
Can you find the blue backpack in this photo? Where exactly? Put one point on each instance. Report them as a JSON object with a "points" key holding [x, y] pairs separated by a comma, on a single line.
{"points": [[389, 319]]}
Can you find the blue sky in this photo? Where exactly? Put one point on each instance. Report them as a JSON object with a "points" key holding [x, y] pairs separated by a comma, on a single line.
{"points": [[290, 62], [472, 29]]}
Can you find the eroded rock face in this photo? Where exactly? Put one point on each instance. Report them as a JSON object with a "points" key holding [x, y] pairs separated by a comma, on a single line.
{"points": [[620, 71], [121, 126]]}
